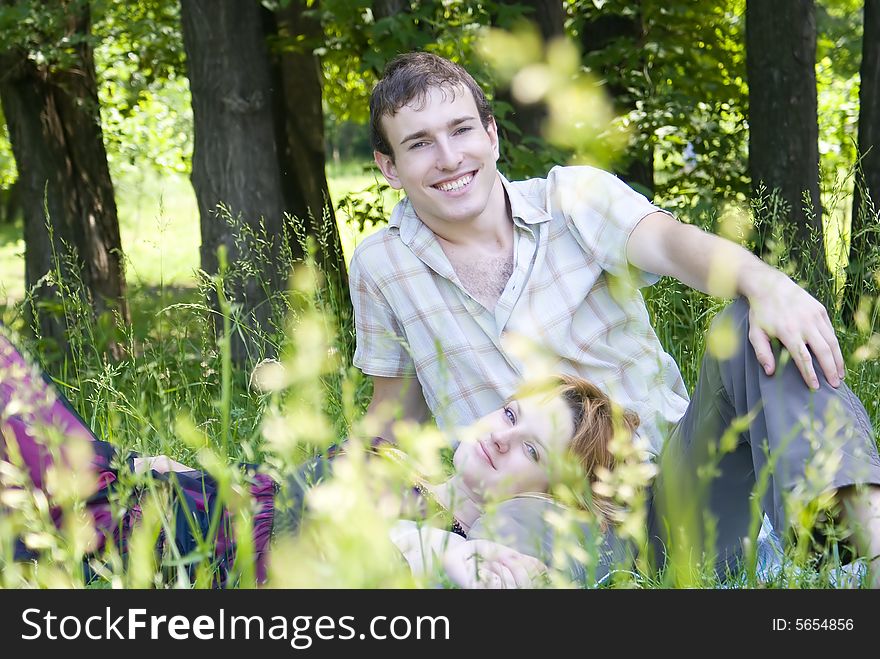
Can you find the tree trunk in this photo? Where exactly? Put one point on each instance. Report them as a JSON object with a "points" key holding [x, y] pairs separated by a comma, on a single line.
{"points": [[865, 231], [303, 161], [783, 123], [595, 36], [55, 132], [235, 155]]}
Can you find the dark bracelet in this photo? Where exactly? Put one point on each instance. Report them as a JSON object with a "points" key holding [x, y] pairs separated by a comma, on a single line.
{"points": [[130, 460]]}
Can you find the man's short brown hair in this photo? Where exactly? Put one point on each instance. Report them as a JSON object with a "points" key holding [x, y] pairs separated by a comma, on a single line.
{"points": [[407, 79]]}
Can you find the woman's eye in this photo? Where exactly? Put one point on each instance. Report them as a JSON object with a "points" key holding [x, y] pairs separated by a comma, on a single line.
{"points": [[533, 452], [510, 415]]}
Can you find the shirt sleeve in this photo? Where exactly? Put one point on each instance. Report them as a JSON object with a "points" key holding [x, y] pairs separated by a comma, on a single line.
{"points": [[602, 211], [381, 347]]}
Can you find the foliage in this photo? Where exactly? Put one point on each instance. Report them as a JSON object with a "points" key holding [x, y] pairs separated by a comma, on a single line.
{"points": [[146, 112], [359, 41], [42, 31], [8, 170], [579, 126], [171, 394], [838, 56], [683, 87], [174, 391]]}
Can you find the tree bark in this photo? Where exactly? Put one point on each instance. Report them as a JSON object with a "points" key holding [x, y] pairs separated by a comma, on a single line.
{"points": [[783, 122], [235, 154], [596, 35], [303, 161], [259, 149], [55, 132], [865, 232]]}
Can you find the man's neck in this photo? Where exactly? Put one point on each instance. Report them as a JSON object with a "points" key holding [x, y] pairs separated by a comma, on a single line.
{"points": [[492, 230]]}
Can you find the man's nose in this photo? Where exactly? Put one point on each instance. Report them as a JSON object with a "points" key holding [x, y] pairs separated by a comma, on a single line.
{"points": [[448, 157]]}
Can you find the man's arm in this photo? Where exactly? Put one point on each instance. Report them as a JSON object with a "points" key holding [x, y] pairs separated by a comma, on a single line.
{"points": [[778, 306], [396, 399]]}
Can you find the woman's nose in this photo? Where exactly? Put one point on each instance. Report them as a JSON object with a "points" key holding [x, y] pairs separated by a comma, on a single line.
{"points": [[502, 439]]}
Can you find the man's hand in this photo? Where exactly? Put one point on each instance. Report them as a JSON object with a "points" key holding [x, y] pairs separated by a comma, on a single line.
{"points": [[486, 564], [780, 308]]}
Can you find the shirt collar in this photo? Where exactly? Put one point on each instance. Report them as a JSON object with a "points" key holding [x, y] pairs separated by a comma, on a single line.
{"points": [[520, 207]]}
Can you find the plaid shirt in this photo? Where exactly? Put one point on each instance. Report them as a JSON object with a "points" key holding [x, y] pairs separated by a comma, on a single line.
{"points": [[572, 305]]}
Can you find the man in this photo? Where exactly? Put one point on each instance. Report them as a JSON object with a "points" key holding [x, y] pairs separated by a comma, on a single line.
{"points": [[470, 259]]}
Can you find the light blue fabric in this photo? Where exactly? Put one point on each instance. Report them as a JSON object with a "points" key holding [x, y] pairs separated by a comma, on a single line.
{"points": [[770, 563]]}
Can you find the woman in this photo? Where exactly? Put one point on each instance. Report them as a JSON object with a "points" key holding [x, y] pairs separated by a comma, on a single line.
{"points": [[511, 452]]}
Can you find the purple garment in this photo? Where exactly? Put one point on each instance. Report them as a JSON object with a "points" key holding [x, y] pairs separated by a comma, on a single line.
{"points": [[33, 411]]}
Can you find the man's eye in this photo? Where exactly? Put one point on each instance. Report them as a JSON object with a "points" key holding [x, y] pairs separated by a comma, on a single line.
{"points": [[417, 145], [463, 129], [533, 452], [510, 415]]}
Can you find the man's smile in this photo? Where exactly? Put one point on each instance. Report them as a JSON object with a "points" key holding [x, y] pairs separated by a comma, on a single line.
{"points": [[455, 184]]}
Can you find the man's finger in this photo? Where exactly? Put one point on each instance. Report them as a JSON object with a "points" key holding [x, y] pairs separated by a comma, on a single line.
{"points": [[824, 355], [826, 329], [761, 344], [800, 353]]}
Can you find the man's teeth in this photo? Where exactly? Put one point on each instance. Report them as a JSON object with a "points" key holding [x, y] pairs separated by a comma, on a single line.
{"points": [[456, 184]]}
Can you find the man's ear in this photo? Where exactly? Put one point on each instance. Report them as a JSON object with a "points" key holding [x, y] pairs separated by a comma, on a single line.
{"points": [[389, 171], [492, 130]]}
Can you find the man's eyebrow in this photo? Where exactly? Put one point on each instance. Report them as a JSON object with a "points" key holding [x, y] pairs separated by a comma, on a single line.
{"points": [[424, 133]]}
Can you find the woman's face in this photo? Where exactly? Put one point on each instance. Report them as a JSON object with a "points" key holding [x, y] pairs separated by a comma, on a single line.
{"points": [[512, 450]]}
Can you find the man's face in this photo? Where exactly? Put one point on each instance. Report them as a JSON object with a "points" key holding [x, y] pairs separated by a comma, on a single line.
{"points": [[515, 449], [443, 158]]}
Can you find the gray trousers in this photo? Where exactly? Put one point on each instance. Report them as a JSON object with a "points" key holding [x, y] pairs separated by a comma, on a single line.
{"points": [[744, 434], [748, 435]]}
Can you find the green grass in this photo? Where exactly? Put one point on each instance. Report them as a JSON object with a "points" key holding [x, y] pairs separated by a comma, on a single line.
{"points": [[172, 391], [11, 262], [159, 227]]}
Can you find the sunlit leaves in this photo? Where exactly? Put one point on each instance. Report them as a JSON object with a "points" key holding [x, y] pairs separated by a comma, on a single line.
{"points": [[580, 117]]}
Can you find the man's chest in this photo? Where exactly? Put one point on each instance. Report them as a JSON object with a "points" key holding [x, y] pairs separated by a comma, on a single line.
{"points": [[483, 277]]}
